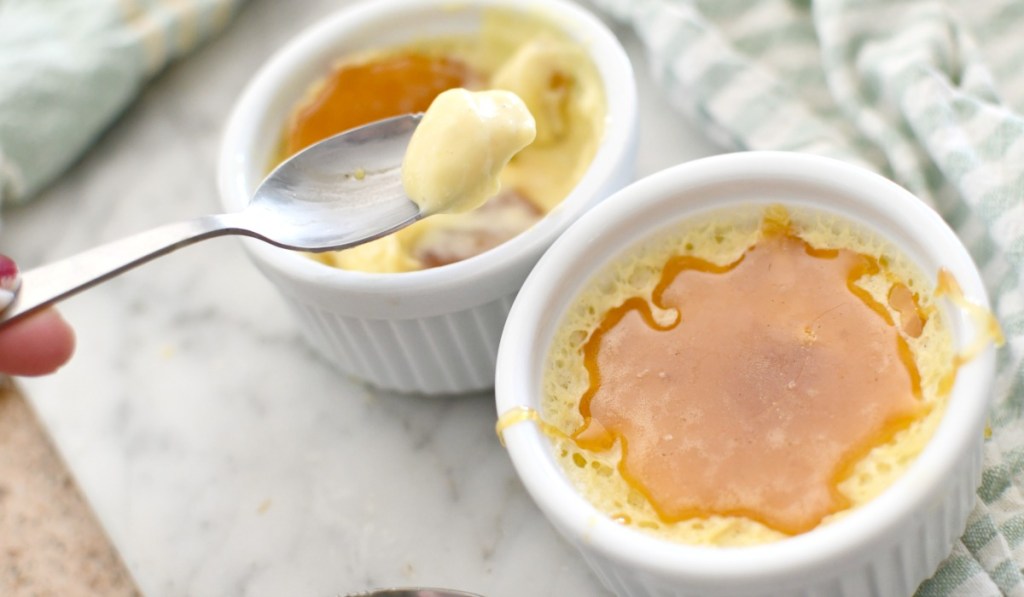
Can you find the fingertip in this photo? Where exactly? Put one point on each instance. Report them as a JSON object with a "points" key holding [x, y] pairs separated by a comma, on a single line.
{"points": [[39, 344], [63, 339]]}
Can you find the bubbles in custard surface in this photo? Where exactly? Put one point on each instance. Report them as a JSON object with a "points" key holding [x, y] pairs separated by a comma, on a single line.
{"points": [[751, 383]]}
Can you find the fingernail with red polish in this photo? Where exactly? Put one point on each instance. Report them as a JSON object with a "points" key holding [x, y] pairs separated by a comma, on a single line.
{"points": [[9, 281]]}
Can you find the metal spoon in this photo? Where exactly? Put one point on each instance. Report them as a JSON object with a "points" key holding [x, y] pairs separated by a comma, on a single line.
{"points": [[343, 191]]}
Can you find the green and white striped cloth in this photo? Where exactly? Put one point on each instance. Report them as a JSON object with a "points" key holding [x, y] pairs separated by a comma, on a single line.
{"points": [[69, 67], [929, 93]]}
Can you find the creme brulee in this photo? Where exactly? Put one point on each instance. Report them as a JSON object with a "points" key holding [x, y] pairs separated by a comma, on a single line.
{"points": [[521, 54], [746, 377]]}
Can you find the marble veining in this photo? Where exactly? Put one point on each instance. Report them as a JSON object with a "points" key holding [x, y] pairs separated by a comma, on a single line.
{"points": [[222, 456]]}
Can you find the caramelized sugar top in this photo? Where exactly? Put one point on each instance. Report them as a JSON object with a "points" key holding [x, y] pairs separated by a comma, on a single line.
{"points": [[778, 375], [360, 93]]}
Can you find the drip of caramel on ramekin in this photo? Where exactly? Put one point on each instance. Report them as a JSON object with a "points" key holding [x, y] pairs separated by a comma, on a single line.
{"points": [[987, 329], [778, 375]]}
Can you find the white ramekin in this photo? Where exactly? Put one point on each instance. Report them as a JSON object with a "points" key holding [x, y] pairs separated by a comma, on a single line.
{"points": [[886, 547], [434, 331]]}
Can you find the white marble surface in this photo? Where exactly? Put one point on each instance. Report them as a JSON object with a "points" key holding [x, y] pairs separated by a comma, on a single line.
{"points": [[221, 455]]}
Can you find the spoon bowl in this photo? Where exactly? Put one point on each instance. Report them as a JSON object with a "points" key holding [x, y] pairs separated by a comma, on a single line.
{"points": [[340, 192]]}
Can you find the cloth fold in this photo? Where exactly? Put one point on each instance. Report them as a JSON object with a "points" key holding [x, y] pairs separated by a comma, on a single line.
{"points": [[68, 68], [928, 93]]}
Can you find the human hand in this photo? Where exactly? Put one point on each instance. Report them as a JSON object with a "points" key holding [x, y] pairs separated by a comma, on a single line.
{"points": [[39, 343]]}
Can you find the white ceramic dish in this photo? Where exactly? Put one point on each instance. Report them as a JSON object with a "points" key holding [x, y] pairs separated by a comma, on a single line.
{"points": [[434, 331], [885, 548]]}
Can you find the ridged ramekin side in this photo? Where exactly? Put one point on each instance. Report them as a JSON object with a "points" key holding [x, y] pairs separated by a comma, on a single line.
{"points": [[452, 353]]}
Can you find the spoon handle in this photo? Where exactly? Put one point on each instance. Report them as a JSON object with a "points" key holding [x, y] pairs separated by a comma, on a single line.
{"points": [[56, 281]]}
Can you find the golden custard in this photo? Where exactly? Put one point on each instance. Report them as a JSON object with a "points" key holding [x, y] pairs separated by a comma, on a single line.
{"points": [[466, 138], [523, 54], [748, 377]]}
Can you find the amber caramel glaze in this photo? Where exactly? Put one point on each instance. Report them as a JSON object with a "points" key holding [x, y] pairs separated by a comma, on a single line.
{"points": [[757, 401], [362, 92]]}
